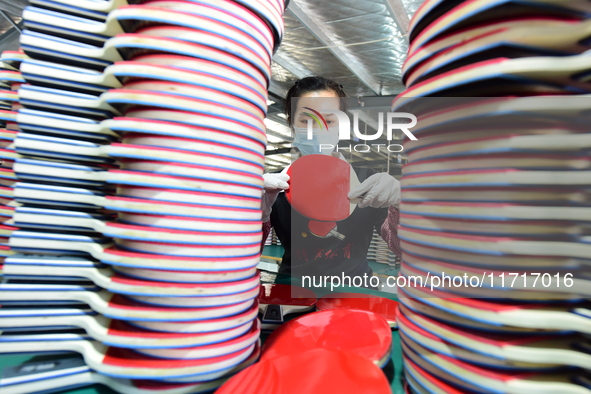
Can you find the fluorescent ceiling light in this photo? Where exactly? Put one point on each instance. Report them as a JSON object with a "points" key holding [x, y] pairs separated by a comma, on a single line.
{"points": [[274, 140], [277, 127]]}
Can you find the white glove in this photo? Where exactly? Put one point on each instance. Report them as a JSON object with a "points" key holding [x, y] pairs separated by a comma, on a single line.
{"points": [[272, 185], [378, 191]]}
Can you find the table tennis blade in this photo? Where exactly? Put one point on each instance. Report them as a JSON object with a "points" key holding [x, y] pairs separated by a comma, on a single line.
{"points": [[384, 307], [509, 228], [185, 64], [52, 124], [521, 245], [531, 316], [129, 334], [321, 195], [127, 253], [55, 374], [212, 156], [193, 119], [425, 383], [229, 41], [277, 300], [97, 177], [246, 20], [418, 306], [13, 58], [581, 276], [160, 345], [520, 41], [125, 363], [205, 93], [136, 199], [206, 351], [134, 307], [493, 211], [325, 370], [438, 18], [423, 53], [471, 377], [36, 44], [363, 333], [487, 145], [154, 67], [521, 76], [128, 18], [121, 284], [100, 11], [131, 225], [504, 351], [25, 217]]}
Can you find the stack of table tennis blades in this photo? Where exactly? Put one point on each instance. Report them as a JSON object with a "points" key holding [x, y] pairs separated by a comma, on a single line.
{"points": [[139, 158], [496, 197], [379, 252], [10, 80]]}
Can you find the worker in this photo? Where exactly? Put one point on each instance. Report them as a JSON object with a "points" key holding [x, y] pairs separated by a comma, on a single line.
{"points": [[378, 195]]}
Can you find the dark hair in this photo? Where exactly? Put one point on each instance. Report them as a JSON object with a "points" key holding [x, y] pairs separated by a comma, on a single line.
{"points": [[313, 84]]}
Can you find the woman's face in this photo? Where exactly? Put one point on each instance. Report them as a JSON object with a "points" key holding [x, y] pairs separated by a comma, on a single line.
{"points": [[322, 101]]}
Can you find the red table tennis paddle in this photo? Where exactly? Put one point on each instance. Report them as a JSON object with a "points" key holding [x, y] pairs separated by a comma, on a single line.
{"points": [[319, 185], [278, 300], [311, 372], [363, 333], [365, 302]]}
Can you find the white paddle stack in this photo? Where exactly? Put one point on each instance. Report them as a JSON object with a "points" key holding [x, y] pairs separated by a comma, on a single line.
{"points": [[495, 221], [138, 175]]}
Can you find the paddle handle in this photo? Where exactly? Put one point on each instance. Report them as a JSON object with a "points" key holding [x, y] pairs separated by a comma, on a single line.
{"points": [[40, 118], [45, 343], [73, 172], [46, 376], [108, 53], [100, 277], [95, 326], [43, 242], [57, 194], [109, 28], [92, 5], [51, 145], [59, 374], [67, 73], [82, 101], [52, 217], [97, 301]]}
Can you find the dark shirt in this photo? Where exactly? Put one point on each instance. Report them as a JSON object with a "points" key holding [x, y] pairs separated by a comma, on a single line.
{"points": [[307, 254]]}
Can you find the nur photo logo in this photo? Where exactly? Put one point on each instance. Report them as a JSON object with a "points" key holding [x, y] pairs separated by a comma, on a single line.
{"points": [[388, 123]]}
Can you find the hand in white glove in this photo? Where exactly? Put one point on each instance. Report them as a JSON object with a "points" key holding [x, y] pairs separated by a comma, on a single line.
{"points": [[378, 191], [272, 185]]}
